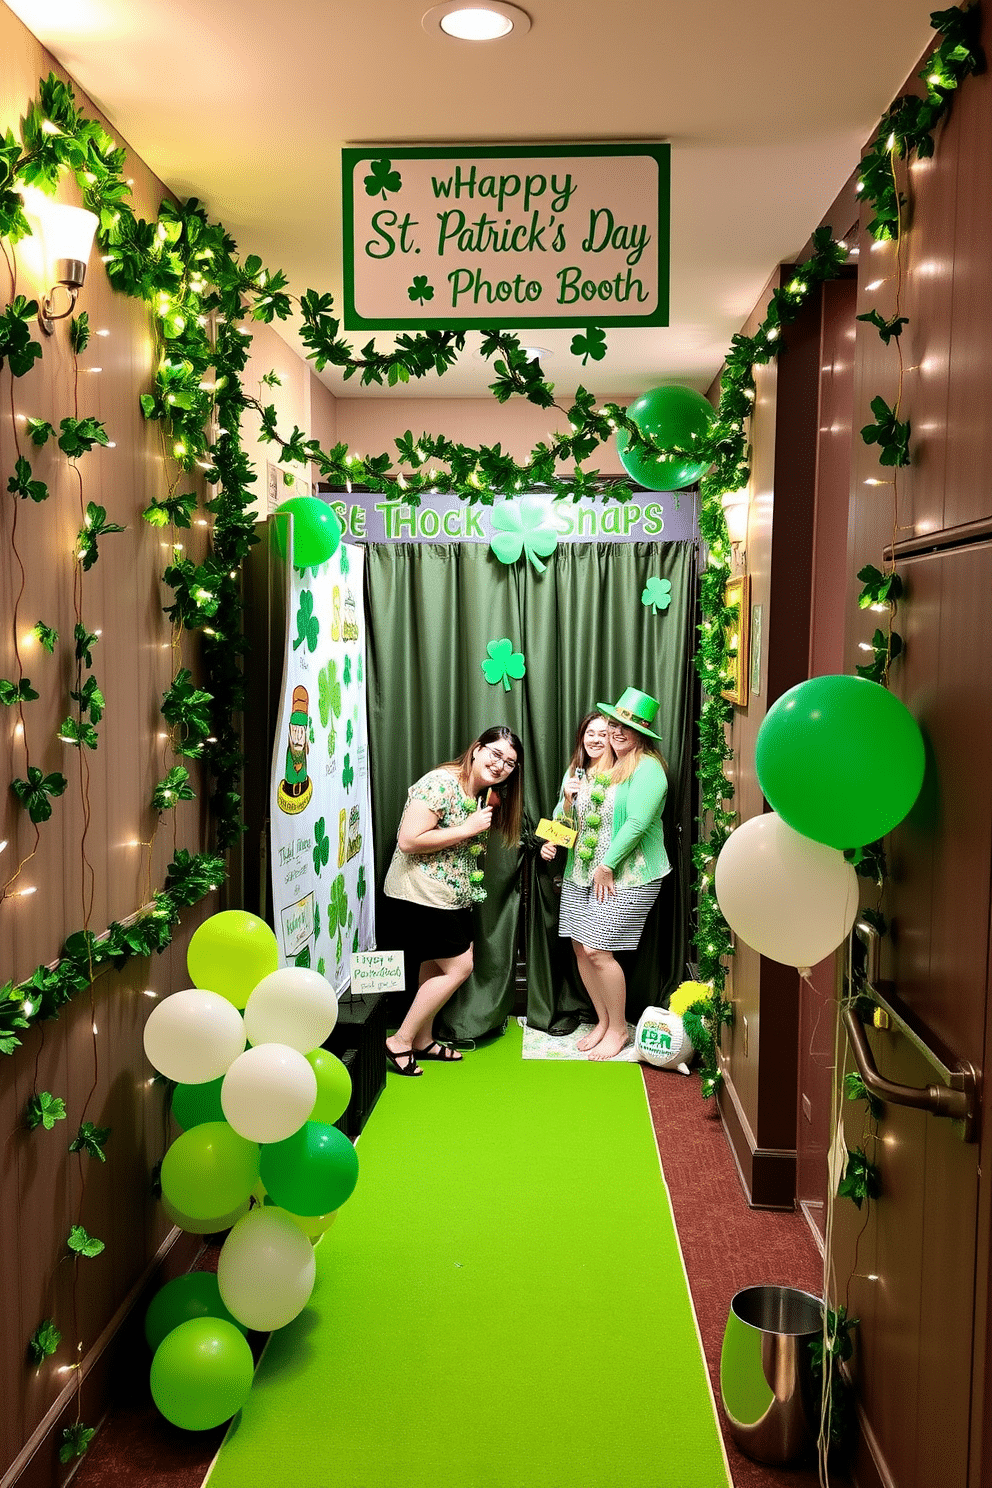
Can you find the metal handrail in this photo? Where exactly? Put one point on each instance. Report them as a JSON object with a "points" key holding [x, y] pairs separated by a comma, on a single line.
{"points": [[957, 1099]]}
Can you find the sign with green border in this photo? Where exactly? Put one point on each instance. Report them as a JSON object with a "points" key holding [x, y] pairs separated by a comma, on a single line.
{"points": [[468, 237]]}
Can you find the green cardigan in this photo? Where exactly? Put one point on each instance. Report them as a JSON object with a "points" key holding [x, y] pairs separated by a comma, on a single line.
{"points": [[637, 808]]}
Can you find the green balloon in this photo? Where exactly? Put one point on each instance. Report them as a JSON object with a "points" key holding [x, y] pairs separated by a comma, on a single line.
{"points": [[673, 417], [202, 1373], [840, 759], [195, 1295], [230, 953], [209, 1170], [312, 1172], [192, 1105], [316, 531], [333, 1086]]}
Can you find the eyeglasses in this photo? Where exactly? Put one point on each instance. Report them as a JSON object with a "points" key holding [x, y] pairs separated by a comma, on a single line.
{"points": [[499, 760]]}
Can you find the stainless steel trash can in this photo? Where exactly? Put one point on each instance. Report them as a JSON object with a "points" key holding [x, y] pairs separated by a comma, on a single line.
{"points": [[766, 1379]]}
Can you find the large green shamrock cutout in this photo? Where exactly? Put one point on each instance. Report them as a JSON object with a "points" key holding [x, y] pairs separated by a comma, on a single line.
{"points": [[321, 847], [420, 289], [382, 178], [328, 692], [592, 344], [503, 663], [307, 624], [337, 909], [658, 594], [524, 526], [347, 773]]}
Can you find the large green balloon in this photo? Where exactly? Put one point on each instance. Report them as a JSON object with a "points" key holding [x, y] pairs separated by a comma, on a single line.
{"points": [[230, 953], [210, 1170], [316, 531], [673, 417], [202, 1373], [333, 1086], [840, 759], [312, 1172], [192, 1105], [194, 1295]]}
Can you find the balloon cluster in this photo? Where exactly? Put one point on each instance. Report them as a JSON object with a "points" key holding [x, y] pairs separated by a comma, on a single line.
{"points": [[259, 1155], [840, 761]]}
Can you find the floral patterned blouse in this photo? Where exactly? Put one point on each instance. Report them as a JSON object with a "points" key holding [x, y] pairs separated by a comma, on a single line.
{"points": [[439, 879]]}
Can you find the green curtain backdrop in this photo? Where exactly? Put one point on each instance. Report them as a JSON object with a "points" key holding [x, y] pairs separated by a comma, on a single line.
{"points": [[585, 635]]}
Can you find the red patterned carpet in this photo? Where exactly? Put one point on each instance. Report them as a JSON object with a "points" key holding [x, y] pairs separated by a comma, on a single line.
{"points": [[726, 1247]]}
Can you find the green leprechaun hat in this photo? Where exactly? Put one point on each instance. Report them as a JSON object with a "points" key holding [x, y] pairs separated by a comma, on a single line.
{"points": [[635, 710]]}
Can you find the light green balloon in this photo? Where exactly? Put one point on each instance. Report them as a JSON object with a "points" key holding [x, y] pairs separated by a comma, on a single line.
{"points": [[195, 1295], [230, 953], [202, 1373], [333, 1086], [209, 1170]]}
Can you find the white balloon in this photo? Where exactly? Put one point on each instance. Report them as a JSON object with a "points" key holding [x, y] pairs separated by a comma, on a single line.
{"points": [[294, 1006], [193, 1036], [266, 1270], [786, 896], [268, 1092]]}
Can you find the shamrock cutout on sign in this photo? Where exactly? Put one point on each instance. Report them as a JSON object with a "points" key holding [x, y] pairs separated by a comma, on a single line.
{"points": [[337, 909], [328, 692], [321, 847], [347, 773], [308, 626], [420, 289], [592, 344], [382, 179], [524, 526], [658, 594], [503, 663]]}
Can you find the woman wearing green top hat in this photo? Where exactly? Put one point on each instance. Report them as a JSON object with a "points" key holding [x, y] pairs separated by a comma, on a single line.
{"points": [[614, 872]]}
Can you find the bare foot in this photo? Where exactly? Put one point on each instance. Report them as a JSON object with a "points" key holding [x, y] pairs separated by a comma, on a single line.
{"points": [[611, 1044], [592, 1039]]}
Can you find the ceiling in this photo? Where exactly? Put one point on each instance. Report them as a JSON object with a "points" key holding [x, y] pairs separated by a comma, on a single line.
{"points": [[246, 104]]}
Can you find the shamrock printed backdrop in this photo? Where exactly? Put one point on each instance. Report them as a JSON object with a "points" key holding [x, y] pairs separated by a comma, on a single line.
{"points": [[319, 809]]}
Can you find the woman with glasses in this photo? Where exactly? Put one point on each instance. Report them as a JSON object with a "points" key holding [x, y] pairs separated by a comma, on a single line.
{"points": [[436, 874], [614, 871]]}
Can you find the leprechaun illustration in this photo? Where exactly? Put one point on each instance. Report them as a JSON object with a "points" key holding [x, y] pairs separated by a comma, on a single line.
{"points": [[296, 785]]}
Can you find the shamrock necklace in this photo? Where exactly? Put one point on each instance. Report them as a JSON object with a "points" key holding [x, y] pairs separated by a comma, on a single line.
{"points": [[597, 795]]}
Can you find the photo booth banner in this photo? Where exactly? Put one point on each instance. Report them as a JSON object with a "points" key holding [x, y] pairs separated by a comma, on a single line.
{"points": [[649, 516], [472, 235], [320, 808]]}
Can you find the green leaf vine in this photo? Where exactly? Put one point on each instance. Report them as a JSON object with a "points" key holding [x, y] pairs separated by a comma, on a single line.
{"points": [[44, 1341]]}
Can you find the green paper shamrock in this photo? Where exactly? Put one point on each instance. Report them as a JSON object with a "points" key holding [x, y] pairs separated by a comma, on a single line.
{"points": [[347, 773], [307, 624], [337, 909], [328, 692], [657, 594], [592, 344], [382, 178], [525, 526], [349, 732], [503, 663], [346, 671], [321, 846], [420, 289], [361, 886]]}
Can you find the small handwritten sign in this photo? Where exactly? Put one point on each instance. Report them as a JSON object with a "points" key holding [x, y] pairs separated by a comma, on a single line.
{"points": [[535, 235], [376, 971], [556, 832]]}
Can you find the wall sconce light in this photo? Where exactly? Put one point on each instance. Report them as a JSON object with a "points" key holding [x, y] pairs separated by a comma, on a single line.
{"points": [[66, 238], [736, 509]]}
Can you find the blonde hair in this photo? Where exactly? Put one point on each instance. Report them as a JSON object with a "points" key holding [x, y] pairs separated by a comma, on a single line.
{"points": [[625, 767]]}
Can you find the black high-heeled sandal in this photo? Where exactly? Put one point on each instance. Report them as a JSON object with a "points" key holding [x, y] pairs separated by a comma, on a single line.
{"points": [[404, 1062], [442, 1052]]}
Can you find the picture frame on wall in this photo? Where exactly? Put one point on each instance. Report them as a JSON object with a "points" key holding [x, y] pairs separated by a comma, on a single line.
{"points": [[737, 597]]}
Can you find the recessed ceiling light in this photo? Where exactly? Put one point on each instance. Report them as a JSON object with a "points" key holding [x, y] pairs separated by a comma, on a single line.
{"points": [[488, 21]]}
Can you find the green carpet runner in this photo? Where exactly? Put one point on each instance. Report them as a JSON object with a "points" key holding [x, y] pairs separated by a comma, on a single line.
{"points": [[501, 1304]]}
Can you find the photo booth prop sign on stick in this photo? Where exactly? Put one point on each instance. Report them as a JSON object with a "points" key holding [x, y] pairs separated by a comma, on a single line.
{"points": [[320, 809]]}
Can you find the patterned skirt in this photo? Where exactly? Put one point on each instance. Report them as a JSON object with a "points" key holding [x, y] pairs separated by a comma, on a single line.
{"points": [[614, 925]]}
